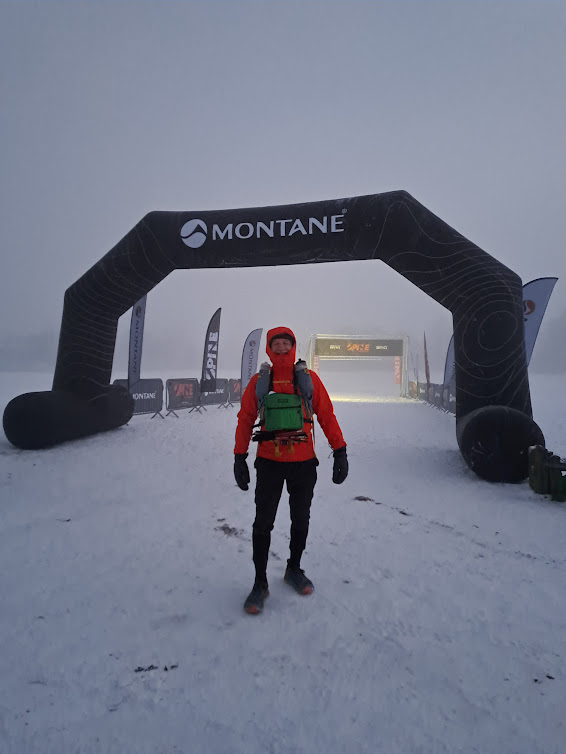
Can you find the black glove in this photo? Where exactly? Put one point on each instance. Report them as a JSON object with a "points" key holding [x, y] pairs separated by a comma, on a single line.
{"points": [[241, 471], [340, 469]]}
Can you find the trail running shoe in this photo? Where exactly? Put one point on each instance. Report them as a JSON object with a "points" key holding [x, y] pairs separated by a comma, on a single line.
{"points": [[254, 602], [296, 578]]}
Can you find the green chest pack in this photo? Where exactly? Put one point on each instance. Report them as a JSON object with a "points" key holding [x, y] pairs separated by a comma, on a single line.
{"points": [[281, 411], [281, 417]]}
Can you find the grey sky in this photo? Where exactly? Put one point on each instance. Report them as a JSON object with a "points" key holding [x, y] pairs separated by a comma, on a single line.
{"points": [[113, 109]]}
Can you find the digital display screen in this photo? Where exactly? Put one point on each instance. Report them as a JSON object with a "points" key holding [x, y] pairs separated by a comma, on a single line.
{"points": [[358, 347]]}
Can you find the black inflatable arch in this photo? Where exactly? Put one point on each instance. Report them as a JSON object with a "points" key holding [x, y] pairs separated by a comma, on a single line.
{"points": [[493, 409]]}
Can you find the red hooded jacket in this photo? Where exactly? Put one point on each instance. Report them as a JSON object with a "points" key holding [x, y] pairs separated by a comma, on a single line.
{"points": [[283, 383]]}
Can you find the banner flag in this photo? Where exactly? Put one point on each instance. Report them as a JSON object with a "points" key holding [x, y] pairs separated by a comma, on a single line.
{"points": [[397, 369], [414, 356], [536, 295], [449, 364], [136, 342], [250, 354], [426, 367], [210, 356]]}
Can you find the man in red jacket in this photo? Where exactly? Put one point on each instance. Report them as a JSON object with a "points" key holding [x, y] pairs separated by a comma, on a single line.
{"points": [[284, 460]]}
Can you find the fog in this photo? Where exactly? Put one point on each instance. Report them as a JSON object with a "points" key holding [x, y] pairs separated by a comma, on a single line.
{"points": [[111, 110]]}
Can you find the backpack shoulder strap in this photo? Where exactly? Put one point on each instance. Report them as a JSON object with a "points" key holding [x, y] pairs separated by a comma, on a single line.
{"points": [[264, 384], [303, 382]]}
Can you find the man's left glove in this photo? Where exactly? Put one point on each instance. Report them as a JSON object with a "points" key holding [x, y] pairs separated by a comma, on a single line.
{"points": [[340, 469], [241, 471]]}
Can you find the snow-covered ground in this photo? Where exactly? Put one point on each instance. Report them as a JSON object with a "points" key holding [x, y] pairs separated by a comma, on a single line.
{"points": [[438, 622]]}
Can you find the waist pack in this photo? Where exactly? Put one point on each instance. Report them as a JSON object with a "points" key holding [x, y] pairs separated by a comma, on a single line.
{"points": [[281, 411]]}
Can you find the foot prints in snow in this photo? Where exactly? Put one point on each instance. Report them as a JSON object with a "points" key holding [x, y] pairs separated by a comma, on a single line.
{"points": [[437, 621]]}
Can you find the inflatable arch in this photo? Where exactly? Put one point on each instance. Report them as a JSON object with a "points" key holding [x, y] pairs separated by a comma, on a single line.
{"points": [[494, 425]]}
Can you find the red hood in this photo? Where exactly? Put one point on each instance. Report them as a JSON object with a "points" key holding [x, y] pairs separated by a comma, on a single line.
{"points": [[279, 360]]}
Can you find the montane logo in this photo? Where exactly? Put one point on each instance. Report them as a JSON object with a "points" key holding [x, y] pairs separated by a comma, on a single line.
{"points": [[251, 352], [528, 306], [144, 396], [195, 232]]}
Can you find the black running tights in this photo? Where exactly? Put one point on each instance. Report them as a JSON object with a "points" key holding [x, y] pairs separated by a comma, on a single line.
{"points": [[301, 479]]}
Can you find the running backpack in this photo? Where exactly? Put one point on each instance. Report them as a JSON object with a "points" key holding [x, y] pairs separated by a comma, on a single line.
{"points": [[283, 412]]}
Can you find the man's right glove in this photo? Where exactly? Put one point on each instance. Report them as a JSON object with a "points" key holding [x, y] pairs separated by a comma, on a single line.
{"points": [[241, 471], [340, 469]]}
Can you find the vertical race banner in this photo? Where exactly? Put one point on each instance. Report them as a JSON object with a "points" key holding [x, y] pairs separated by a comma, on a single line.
{"points": [[397, 369], [427, 370], [536, 295], [249, 357], [210, 356], [414, 357], [449, 365], [136, 342]]}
